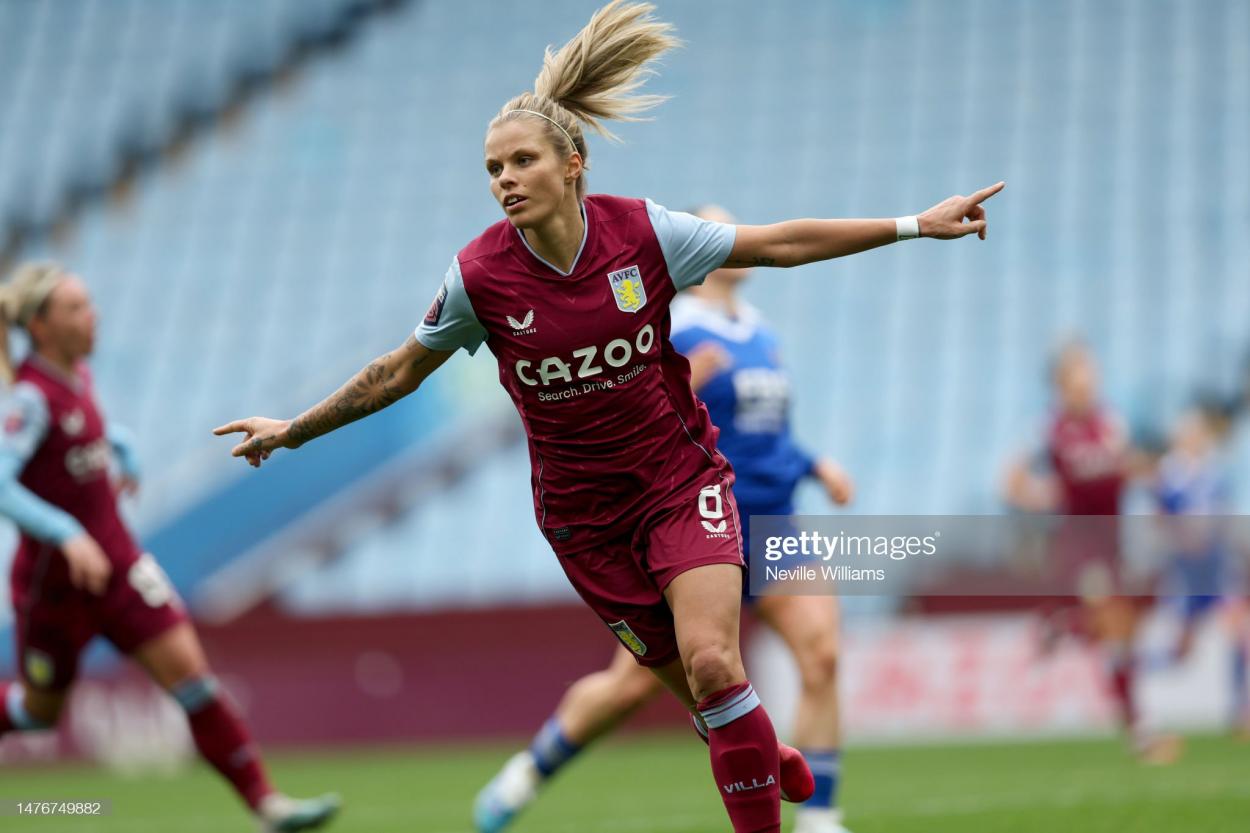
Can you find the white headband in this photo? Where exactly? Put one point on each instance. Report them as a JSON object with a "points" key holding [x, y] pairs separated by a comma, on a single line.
{"points": [[572, 144]]}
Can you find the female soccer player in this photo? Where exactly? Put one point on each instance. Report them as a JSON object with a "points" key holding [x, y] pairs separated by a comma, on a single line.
{"points": [[78, 571], [1080, 472], [571, 294], [735, 370], [1206, 572]]}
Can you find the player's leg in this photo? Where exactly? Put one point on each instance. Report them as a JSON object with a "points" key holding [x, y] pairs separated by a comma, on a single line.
{"points": [[175, 660], [590, 708], [147, 622], [597, 703], [809, 627], [745, 755], [27, 709], [1114, 623], [51, 627], [1236, 618]]}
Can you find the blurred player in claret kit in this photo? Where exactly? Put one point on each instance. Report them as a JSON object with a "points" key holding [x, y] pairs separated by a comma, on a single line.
{"points": [[78, 572], [571, 293], [1206, 572], [735, 371], [1080, 472]]}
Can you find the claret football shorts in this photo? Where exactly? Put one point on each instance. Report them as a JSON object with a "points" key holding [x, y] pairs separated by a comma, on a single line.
{"points": [[623, 580]]}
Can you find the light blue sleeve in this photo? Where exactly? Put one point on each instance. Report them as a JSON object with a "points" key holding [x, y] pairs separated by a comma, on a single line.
{"points": [[123, 444], [25, 423], [451, 323], [692, 246]]}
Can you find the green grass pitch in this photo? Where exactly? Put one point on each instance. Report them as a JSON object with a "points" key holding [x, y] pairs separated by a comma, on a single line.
{"points": [[661, 784]]}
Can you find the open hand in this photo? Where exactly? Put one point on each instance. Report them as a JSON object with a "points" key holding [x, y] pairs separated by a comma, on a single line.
{"points": [[261, 436], [945, 221]]}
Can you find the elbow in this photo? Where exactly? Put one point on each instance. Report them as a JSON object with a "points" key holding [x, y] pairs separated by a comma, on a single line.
{"points": [[788, 255]]}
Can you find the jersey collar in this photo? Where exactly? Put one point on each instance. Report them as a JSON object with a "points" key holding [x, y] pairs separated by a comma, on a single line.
{"points": [[47, 368], [576, 258], [693, 311]]}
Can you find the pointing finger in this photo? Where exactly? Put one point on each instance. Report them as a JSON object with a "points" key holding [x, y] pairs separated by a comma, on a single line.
{"points": [[231, 427], [985, 193]]}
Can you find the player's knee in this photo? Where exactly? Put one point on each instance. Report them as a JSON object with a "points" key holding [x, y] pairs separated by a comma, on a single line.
{"points": [[818, 663], [712, 667], [195, 693]]}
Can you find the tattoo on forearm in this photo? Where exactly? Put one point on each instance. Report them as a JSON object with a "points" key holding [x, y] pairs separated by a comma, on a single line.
{"points": [[743, 263], [368, 392]]}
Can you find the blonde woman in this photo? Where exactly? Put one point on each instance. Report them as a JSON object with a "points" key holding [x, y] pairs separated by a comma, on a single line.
{"points": [[570, 292], [78, 571], [736, 372]]}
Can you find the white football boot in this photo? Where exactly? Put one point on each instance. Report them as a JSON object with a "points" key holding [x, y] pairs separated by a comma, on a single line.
{"points": [[280, 813], [507, 794], [819, 821]]}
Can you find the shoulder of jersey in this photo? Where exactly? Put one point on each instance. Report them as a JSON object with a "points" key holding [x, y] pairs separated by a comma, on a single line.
{"points": [[497, 238], [610, 207], [29, 377]]}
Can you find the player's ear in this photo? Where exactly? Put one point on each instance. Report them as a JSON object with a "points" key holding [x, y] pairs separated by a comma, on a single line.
{"points": [[573, 167]]}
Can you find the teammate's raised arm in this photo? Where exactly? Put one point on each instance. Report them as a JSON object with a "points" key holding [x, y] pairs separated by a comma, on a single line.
{"points": [[796, 242], [382, 382]]}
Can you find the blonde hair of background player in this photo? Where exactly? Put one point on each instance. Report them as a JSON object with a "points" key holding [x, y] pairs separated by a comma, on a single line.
{"points": [[22, 297]]}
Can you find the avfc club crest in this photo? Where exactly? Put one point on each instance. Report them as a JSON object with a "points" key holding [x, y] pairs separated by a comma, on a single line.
{"points": [[73, 422], [628, 289], [628, 638]]}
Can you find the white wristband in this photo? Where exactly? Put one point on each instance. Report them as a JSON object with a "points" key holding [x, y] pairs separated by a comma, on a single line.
{"points": [[908, 227]]}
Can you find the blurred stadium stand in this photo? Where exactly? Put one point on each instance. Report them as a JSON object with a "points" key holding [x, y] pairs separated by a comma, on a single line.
{"points": [[308, 231], [91, 88]]}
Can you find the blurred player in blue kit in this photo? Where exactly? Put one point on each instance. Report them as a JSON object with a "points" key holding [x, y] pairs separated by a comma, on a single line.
{"points": [[1206, 571], [736, 372]]}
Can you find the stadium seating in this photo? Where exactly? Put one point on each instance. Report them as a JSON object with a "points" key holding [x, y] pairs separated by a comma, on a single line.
{"points": [[281, 253], [89, 85]]}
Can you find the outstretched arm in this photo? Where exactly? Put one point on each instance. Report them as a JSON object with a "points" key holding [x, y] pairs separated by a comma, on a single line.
{"points": [[382, 382], [796, 242]]}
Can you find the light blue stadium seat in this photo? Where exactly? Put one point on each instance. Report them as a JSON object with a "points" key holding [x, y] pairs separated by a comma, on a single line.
{"points": [[320, 227]]}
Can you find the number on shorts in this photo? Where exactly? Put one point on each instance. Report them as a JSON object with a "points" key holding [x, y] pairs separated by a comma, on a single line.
{"points": [[712, 506], [150, 581]]}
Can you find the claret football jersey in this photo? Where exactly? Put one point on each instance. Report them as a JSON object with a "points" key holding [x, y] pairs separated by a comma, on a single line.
{"points": [[613, 427]]}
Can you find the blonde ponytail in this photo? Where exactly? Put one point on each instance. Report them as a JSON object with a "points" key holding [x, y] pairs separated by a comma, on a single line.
{"points": [[21, 298], [595, 77]]}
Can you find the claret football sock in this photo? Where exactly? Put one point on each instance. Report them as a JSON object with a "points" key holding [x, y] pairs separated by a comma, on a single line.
{"points": [[1121, 670], [745, 758], [222, 738]]}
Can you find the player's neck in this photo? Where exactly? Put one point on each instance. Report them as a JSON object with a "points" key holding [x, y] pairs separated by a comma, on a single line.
{"points": [[61, 362], [558, 240]]}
